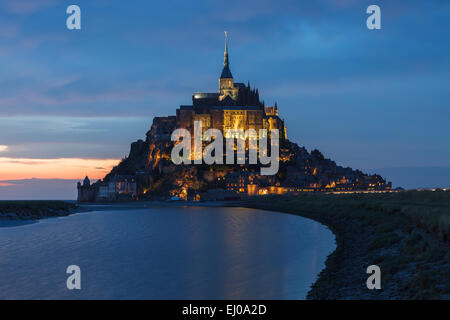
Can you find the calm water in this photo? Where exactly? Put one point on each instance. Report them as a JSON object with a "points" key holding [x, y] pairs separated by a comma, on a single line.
{"points": [[165, 253]]}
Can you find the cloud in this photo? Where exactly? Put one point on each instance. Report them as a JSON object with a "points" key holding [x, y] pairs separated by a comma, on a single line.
{"points": [[71, 137], [6, 184], [24, 7], [42, 93], [3, 148], [64, 168], [38, 189], [150, 63], [8, 30]]}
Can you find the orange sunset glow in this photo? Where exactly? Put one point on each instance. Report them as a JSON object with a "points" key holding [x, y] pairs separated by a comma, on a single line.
{"points": [[61, 168]]}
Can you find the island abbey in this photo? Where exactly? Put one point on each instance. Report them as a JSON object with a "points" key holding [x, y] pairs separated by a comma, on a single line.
{"points": [[149, 173]]}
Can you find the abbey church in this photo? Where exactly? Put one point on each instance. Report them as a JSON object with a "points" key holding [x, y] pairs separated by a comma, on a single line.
{"points": [[234, 106]]}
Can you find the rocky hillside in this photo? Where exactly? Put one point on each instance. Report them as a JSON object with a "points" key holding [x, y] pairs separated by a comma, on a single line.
{"points": [[157, 176]]}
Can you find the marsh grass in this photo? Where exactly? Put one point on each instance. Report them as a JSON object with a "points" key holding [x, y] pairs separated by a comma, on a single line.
{"points": [[429, 210], [407, 230]]}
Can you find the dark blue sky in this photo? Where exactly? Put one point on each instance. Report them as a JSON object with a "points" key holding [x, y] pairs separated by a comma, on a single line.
{"points": [[367, 99]]}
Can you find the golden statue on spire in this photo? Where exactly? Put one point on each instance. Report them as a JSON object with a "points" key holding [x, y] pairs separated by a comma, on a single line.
{"points": [[225, 55], [226, 40]]}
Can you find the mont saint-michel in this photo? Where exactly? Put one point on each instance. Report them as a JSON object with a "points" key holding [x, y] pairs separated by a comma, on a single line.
{"points": [[237, 185], [149, 172]]}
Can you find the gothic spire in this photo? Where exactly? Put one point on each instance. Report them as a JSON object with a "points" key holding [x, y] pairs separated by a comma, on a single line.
{"points": [[225, 54], [226, 73]]}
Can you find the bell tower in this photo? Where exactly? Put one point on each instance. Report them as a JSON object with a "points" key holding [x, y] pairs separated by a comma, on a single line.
{"points": [[226, 81]]}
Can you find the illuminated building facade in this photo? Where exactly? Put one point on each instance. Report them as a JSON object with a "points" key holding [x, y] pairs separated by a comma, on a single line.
{"points": [[234, 106]]}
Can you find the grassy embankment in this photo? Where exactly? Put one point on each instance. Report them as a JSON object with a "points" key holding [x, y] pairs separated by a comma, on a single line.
{"points": [[26, 210], [406, 233]]}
